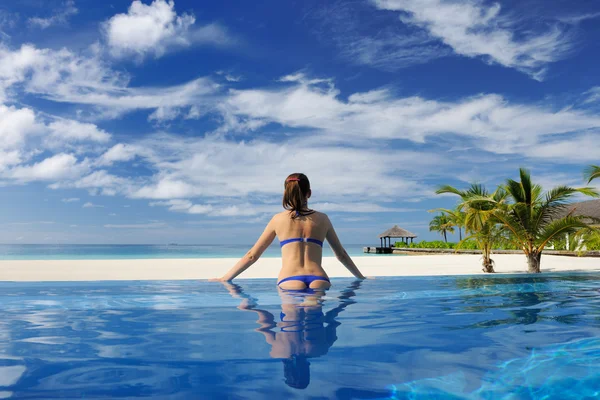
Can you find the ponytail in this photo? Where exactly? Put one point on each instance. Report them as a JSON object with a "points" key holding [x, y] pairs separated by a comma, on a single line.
{"points": [[297, 189]]}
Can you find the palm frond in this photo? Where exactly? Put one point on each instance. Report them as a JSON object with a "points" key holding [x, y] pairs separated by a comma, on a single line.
{"points": [[513, 226], [477, 189], [553, 206], [449, 189], [568, 224], [441, 210], [592, 172], [526, 185], [515, 191], [588, 191]]}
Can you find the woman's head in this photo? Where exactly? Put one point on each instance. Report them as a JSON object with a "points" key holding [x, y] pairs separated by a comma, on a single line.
{"points": [[296, 370], [297, 191]]}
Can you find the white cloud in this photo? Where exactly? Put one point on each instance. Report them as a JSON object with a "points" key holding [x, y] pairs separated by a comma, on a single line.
{"points": [[70, 130], [23, 135], [97, 182], [593, 95], [16, 124], [174, 205], [247, 209], [575, 149], [32, 223], [56, 167], [193, 174], [495, 124], [62, 76], [473, 28], [92, 205], [9, 158], [359, 207], [202, 168], [156, 28], [162, 114], [230, 77], [391, 52], [71, 200], [577, 18], [365, 38], [153, 225], [167, 188], [59, 17], [119, 153]]}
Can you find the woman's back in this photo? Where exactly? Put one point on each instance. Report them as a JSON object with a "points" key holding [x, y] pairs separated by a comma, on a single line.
{"points": [[301, 257]]}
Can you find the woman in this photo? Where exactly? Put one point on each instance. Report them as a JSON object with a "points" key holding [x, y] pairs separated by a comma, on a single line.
{"points": [[301, 232]]}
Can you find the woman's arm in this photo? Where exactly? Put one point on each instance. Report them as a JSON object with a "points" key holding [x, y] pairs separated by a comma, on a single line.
{"points": [[266, 320], [253, 255], [340, 252]]}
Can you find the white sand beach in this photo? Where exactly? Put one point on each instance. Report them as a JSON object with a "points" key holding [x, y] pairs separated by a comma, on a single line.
{"points": [[178, 269]]}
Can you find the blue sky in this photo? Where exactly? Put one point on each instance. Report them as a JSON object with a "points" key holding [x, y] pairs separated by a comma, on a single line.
{"points": [[159, 122]]}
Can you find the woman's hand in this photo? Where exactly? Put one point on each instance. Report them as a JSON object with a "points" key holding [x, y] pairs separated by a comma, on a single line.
{"points": [[222, 279]]}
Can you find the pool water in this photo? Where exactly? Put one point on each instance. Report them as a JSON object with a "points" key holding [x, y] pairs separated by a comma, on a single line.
{"points": [[509, 337]]}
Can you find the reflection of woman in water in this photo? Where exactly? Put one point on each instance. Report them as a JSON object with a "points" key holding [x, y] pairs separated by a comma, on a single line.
{"points": [[303, 330], [301, 232]]}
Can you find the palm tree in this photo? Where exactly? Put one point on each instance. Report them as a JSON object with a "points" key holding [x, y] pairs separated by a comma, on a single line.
{"points": [[458, 218], [442, 224], [592, 172], [533, 218], [479, 222]]}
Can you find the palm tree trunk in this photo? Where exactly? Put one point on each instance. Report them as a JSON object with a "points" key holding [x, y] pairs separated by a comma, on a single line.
{"points": [[533, 262], [445, 239], [488, 263], [460, 233]]}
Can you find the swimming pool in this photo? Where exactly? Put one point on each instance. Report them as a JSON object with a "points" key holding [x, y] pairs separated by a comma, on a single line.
{"points": [[436, 337]]}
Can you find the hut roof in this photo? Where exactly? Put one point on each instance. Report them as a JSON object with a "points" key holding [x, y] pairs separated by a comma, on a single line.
{"points": [[397, 232], [590, 208]]}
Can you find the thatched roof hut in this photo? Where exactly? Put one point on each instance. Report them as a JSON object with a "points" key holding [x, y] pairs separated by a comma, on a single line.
{"points": [[590, 208], [396, 232]]}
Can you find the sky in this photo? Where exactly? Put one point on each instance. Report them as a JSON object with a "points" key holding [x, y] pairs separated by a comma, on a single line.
{"points": [[152, 122]]}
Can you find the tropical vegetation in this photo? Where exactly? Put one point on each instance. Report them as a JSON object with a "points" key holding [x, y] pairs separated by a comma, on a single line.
{"points": [[443, 224], [480, 224], [521, 214], [466, 244]]}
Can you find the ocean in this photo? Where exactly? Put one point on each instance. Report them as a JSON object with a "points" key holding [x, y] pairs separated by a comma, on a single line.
{"points": [[119, 252]]}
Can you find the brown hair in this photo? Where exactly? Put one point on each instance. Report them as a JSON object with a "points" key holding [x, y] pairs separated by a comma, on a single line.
{"points": [[297, 189]]}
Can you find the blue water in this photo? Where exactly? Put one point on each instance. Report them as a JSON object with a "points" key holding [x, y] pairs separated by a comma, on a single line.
{"points": [[516, 337], [118, 252]]}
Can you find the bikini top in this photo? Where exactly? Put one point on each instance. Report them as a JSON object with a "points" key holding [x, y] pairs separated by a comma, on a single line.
{"points": [[299, 239]]}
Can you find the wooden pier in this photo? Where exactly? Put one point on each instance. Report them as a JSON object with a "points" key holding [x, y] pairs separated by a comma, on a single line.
{"points": [[378, 250]]}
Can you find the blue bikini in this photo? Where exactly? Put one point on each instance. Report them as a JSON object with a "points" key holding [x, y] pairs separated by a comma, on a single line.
{"points": [[306, 279], [306, 240]]}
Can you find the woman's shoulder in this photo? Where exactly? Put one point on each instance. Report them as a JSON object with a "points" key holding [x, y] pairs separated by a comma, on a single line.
{"points": [[320, 216]]}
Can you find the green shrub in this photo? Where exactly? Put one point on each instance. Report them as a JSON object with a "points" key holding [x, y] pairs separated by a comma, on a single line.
{"points": [[439, 244]]}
